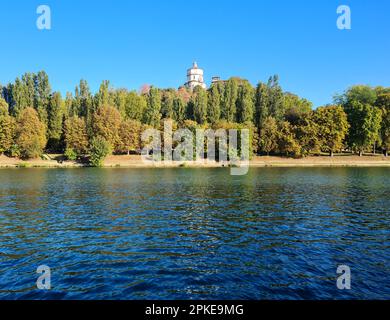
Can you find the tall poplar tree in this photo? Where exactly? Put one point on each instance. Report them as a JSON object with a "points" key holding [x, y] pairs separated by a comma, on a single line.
{"points": [[229, 109], [214, 103], [200, 105], [152, 114], [245, 103]]}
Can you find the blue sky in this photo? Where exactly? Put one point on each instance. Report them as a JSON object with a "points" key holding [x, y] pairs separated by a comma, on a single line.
{"points": [[132, 43]]}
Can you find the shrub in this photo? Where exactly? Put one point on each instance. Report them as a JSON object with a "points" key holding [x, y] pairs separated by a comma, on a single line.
{"points": [[100, 148], [70, 154], [14, 151]]}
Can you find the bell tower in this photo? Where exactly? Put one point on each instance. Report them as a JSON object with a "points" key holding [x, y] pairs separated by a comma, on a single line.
{"points": [[195, 77]]}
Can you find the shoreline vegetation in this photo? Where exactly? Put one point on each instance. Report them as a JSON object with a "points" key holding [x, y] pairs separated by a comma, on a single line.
{"points": [[135, 161], [93, 129]]}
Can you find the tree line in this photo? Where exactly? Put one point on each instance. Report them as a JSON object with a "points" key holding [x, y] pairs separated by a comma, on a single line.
{"points": [[34, 119]]}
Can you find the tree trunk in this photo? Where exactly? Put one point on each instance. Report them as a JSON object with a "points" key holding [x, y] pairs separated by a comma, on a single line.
{"points": [[360, 153], [386, 153], [128, 152], [331, 154]]}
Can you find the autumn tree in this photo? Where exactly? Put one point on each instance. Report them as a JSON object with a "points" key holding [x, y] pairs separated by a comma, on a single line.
{"points": [[30, 134], [129, 136], [333, 127], [76, 137], [106, 122], [306, 132], [287, 143], [3, 106], [269, 135], [7, 128]]}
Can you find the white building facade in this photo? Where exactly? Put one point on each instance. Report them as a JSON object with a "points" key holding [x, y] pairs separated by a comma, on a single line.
{"points": [[195, 77]]}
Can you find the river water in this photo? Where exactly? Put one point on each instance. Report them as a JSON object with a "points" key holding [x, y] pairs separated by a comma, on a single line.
{"points": [[276, 233]]}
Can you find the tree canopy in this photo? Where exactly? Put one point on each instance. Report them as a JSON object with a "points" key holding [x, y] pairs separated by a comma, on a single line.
{"points": [[34, 119]]}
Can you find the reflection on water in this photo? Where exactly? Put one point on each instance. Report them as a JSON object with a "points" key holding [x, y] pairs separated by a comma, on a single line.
{"points": [[195, 233]]}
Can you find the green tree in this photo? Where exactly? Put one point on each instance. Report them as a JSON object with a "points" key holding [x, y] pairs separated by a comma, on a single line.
{"points": [[135, 106], [30, 134], [245, 102], [84, 99], [18, 99], [261, 105], [365, 121], [385, 131], [295, 108], [383, 102], [103, 97], [168, 97], [55, 118], [152, 113], [214, 103], [100, 148], [361, 93], [179, 109], [200, 105], [333, 127], [120, 97], [41, 90], [29, 91], [229, 108], [275, 98], [364, 118]]}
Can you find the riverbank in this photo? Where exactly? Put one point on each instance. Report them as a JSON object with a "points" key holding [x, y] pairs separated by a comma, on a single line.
{"points": [[135, 161]]}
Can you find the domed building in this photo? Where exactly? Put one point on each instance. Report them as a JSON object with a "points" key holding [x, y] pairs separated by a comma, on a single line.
{"points": [[195, 77]]}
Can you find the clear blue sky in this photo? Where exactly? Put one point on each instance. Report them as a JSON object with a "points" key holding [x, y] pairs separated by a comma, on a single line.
{"points": [[132, 43]]}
